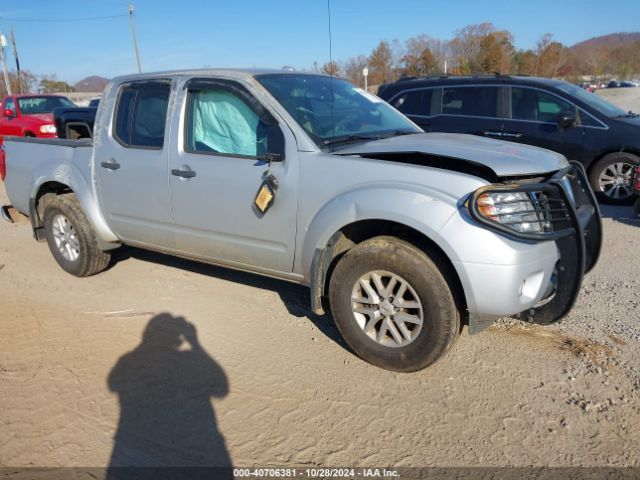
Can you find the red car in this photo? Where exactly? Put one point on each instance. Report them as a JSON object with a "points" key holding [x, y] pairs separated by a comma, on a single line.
{"points": [[29, 115]]}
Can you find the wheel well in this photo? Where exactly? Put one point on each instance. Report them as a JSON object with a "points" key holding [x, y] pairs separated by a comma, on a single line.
{"points": [[47, 190], [350, 235], [601, 155], [29, 134]]}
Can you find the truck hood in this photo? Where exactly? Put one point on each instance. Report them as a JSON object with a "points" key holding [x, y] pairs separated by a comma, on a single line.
{"points": [[504, 158]]}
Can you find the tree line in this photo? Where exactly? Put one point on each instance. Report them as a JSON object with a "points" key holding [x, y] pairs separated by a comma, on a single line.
{"points": [[31, 83], [482, 48]]}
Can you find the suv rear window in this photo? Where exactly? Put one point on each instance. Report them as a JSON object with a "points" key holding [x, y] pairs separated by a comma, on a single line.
{"points": [[414, 102], [141, 114], [471, 101]]}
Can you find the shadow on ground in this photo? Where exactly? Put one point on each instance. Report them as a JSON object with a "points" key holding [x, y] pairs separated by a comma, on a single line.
{"points": [[294, 297], [621, 214], [164, 387]]}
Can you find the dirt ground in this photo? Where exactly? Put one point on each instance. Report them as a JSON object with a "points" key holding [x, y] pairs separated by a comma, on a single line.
{"points": [[103, 370]]}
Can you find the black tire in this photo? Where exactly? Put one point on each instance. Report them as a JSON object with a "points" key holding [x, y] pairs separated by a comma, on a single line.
{"points": [[636, 208], [441, 318], [600, 167], [90, 259]]}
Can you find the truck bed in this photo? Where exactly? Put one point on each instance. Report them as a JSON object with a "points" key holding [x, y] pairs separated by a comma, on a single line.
{"points": [[31, 160]]}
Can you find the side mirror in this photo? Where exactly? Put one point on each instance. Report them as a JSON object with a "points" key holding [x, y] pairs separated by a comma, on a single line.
{"points": [[9, 113], [275, 143], [566, 120]]}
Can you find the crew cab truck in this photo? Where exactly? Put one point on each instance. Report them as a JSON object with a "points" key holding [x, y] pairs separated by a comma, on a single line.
{"points": [[401, 234]]}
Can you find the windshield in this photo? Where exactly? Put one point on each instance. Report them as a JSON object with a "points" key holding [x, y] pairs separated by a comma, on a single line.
{"points": [[353, 115], [593, 100], [33, 105]]}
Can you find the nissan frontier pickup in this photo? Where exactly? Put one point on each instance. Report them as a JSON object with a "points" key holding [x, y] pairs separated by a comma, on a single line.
{"points": [[402, 235]]}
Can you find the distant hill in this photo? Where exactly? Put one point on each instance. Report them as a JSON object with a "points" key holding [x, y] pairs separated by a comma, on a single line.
{"points": [[613, 40], [91, 84]]}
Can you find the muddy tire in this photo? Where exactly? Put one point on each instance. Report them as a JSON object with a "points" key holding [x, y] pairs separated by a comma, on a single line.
{"points": [[71, 237], [611, 178], [392, 305]]}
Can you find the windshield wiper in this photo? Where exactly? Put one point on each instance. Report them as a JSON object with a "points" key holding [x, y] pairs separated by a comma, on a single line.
{"points": [[350, 138], [354, 138]]}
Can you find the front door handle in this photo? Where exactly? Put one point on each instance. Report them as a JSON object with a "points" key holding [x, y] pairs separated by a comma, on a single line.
{"points": [[489, 133], [183, 172], [110, 165], [512, 135]]}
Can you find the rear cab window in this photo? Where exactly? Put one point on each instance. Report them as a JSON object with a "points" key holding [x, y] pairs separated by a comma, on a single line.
{"points": [[141, 114]]}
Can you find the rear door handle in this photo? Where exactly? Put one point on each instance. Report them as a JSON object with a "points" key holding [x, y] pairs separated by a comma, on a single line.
{"points": [[184, 172], [111, 165], [512, 135], [489, 133]]}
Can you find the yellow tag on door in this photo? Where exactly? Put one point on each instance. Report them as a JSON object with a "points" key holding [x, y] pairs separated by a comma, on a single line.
{"points": [[264, 199]]}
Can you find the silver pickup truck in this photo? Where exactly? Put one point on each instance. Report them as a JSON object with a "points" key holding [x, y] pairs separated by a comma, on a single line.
{"points": [[403, 234]]}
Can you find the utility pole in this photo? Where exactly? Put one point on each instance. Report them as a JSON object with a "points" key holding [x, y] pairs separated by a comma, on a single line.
{"points": [[365, 74], [133, 36], [15, 55], [3, 50]]}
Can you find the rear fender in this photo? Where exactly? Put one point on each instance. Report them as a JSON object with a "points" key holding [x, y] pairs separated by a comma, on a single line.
{"points": [[69, 175]]}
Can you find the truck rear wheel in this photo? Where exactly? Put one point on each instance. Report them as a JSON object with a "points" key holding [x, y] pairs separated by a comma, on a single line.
{"points": [[71, 237], [392, 305]]}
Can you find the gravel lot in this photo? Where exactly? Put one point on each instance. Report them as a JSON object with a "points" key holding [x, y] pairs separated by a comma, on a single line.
{"points": [[93, 372]]}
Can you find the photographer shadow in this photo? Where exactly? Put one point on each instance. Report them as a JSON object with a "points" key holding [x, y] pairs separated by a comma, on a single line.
{"points": [[165, 386]]}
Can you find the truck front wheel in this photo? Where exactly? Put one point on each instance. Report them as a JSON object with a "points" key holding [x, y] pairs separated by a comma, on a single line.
{"points": [[71, 237], [392, 305]]}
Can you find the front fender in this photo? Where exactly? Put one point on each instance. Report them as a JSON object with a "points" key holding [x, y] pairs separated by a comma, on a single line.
{"points": [[425, 210], [70, 175]]}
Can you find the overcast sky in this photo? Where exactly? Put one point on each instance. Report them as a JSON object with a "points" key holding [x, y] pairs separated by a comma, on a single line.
{"points": [[272, 33]]}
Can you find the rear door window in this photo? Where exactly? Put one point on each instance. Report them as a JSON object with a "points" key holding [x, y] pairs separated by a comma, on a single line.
{"points": [[414, 102], [470, 101], [538, 106], [141, 114]]}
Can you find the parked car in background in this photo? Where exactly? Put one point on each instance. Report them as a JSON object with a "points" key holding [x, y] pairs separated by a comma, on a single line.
{"points": [[30, 115], [304, 177], [627, 84], [636, 189], [546, 113], [74, 122], [613, 84]]}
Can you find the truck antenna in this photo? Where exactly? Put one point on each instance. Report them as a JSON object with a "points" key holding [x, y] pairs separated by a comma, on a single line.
{"points": [[333, 120]]}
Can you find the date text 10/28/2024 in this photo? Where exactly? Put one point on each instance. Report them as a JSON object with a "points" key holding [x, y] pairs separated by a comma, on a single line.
{"points": [[315, 473]]}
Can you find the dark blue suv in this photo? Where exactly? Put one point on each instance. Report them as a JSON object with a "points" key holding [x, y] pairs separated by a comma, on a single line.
{"points": [[547, 113]]}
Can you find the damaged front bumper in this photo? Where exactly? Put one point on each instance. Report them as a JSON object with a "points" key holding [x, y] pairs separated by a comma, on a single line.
{"points": [[570, 212]]}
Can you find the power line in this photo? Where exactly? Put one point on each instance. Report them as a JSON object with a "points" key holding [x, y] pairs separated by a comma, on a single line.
{"points": [[53, 20]]}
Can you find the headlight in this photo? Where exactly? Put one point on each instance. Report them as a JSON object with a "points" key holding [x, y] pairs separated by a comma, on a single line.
{"points": [[48, 128], [514, 210]]}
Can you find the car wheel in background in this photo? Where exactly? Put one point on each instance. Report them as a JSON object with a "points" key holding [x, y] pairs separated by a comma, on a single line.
{"points": [[393, 305], [71, 237], [611, 178]]}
